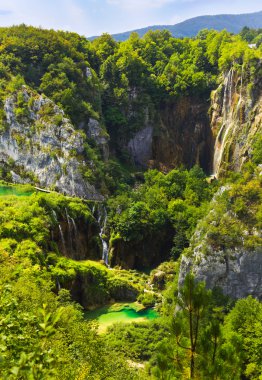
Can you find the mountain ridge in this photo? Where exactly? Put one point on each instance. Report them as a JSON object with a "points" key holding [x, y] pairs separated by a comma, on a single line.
{"points": [[190, 27]]}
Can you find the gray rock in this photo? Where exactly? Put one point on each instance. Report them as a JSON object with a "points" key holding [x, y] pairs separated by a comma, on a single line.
{"points": [[238, 273], [140, 146], [45, 148], [99, 135], [16, 178]]}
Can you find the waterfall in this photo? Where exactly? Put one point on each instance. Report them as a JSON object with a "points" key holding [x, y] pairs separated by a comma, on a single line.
{"points": [[241, 85], [102, 220], [62, 238], [75, 232], [68, 218], [54, 215], [226, 113], [74, 226]]}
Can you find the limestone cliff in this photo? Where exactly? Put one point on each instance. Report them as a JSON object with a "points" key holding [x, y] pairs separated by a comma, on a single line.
{"points": [[236, 272], [236, 117], [183, 135], [226, 249], [42, 146], [172, 134]]}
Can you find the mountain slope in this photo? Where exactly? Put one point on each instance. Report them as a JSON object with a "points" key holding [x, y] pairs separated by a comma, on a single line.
{"points": [[190, 27]]}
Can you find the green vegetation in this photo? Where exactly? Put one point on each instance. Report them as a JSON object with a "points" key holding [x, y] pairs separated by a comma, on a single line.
{"points": [[119, 84], [207, 342], [46, 337], [235, 215], [51, 270], [165, 204]]}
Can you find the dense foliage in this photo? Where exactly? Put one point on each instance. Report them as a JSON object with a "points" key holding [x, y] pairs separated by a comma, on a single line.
{"points": [[172, 202], [208, 342], [153, 216], [118, 84]]}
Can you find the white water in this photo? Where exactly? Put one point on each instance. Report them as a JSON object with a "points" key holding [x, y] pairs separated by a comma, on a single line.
{"points": [[72, 231], [240, 90], [62, 238], [68, 218], [102, 220], [227, 118], [55, 216], [60, 232], [74, 226]]}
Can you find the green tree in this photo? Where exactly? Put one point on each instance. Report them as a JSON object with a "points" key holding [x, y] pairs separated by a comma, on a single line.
{"points": [[193, 300]]}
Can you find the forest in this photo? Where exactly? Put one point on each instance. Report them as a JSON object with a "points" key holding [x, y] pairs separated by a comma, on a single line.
{"points": [[71, 116]]}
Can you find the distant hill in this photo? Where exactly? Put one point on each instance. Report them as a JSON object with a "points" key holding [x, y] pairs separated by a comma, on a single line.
{"points": [[190, 27]]}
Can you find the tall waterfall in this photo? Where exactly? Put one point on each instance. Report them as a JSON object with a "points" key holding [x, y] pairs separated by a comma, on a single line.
{"points": [[71, 237], [60, 231], [102, 220], [227, 116], [68, 218], [62, 238]]}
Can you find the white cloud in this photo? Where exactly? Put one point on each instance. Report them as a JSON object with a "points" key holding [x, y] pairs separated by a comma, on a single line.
{"points": [[57, 14], [139, 4]]}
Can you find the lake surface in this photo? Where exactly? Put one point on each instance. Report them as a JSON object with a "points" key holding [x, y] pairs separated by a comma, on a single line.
{"points": [[117, 313], [13, 190]]}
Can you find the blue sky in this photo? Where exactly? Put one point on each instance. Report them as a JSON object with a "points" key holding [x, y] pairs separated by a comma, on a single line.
{"points": [[93, 17]]}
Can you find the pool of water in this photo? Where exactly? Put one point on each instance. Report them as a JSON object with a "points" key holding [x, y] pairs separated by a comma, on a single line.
{"points": [[13, 190], [106, 316]]}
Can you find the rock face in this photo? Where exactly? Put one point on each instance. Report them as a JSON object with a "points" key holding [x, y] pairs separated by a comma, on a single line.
{"points": [[183, 136], [224, 255], [237, 273], [177, 134], [99, 135], [43, 145], [77, 238], [236, 118], [140, 146], [142, 255]]}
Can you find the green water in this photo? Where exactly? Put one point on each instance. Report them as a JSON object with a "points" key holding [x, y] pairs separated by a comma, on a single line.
{"points": [[13, 190], [107, 316]]}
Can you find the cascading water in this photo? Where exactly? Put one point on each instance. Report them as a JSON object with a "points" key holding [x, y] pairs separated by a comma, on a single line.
{"points": [[72, 232], [241, 85], [104, 242], [102, 220], [54, 215], [60, 231], [68, 218], [223, 132], [62, 238], [74, 226]]}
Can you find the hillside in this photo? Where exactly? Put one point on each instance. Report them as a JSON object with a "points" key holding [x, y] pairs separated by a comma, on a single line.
{"points": [[130, 191], [190, 27]]}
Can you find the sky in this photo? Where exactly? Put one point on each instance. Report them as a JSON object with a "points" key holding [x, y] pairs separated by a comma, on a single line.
{"points": [[94, 17]]}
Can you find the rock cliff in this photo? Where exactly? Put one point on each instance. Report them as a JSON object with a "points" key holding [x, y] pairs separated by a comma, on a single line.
{"points": [[236, 272], [173, 134], [236, 117], [42, 145], [76, 238], [226, 249]]}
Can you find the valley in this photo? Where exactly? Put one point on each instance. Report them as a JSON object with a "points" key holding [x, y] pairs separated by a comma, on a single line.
{"points": [[142, 256]]}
